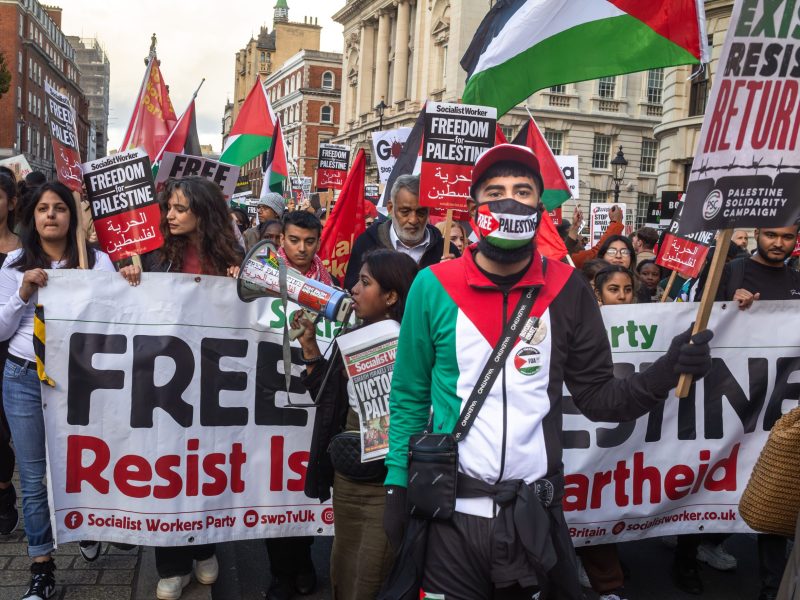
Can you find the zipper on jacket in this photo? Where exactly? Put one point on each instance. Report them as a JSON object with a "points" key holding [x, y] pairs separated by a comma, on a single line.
{"points": [[505, 403]]}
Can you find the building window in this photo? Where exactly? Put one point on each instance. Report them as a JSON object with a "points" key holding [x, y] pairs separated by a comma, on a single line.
{"points": [[558, 89], [19, 97], [327, 80], [508, 132], [18, 145], [600, 151], [554, 139], [642, 202], [607, 87], [326, 114], [698, 95], [655, 85], [21, 26], [20, 66], [649, 153], [598, 196]]}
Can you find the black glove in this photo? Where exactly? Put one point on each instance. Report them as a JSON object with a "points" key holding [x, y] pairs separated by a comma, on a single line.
{"points": [[691, 358], [395, 516]]}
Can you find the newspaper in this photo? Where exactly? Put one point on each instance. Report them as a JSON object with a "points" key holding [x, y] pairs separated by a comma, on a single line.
{"points": [[369, 355]]}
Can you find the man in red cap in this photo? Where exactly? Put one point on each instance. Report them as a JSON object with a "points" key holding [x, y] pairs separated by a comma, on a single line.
{"points": [[487, 342]]}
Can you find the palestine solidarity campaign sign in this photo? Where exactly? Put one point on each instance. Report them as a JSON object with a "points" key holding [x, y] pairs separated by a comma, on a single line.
{"points": [[746, 170], [123, 202]]}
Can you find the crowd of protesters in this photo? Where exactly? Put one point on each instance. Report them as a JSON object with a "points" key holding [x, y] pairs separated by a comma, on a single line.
{"points": [[439, 308]]}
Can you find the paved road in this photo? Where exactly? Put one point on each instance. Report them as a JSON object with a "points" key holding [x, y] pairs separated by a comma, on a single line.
{"points": [[244, 572]]}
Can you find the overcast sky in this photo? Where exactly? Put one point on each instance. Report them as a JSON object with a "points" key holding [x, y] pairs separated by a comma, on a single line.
{"points": [[196, 39]]}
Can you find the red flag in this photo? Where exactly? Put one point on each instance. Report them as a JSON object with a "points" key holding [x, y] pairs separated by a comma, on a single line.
{"points": [[548, 242], [181, 135], [499, 137], [346, 222], [153, 116]]}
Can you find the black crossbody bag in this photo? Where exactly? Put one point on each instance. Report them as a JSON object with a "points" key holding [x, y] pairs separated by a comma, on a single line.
{"points": [[433, 457]]}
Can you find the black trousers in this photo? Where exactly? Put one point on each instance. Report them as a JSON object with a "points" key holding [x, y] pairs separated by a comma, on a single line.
{"points": [[290, 556], [174, 561]]}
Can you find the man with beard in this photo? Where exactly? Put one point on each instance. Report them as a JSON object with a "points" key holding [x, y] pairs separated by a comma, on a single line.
{"points": [[506, 537], [407, 231], [764, 275]]}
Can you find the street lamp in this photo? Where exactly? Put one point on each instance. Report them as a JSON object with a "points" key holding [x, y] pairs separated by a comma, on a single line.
{"points": [[618, 165], [379, 109]]}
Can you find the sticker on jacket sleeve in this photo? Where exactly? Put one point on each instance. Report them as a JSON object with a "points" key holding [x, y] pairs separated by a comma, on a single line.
{"points": [[528, 361]]}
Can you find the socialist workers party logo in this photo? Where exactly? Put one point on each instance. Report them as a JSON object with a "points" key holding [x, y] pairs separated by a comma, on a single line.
{"points": [[528, 361]]}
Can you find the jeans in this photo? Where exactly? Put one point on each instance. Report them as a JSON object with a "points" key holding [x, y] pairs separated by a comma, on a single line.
{"points": [[6, 453], [22, 400]]}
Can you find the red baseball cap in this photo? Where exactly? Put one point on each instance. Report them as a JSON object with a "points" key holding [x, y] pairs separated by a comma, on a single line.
{"points": [[506, 153]]}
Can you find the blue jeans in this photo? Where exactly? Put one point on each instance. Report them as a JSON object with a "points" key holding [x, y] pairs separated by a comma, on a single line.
{"points": [[22, 400]]}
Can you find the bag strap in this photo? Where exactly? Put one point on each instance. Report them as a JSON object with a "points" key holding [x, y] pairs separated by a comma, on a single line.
{"points": [[496, 362]]}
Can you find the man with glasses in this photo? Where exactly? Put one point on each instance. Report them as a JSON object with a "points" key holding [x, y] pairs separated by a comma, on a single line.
{"points": [[407, 231]]}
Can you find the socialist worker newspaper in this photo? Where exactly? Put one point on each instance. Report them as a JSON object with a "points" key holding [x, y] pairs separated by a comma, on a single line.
{"points": [[369, 355]]}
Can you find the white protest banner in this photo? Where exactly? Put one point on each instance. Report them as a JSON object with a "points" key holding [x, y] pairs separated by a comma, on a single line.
{"points": [[387, 146], [746, 171], [569, 166], [177, 166], [682, 468], [369, 355], [168, 424], [123, 201], [19, 164], [598, 219]]}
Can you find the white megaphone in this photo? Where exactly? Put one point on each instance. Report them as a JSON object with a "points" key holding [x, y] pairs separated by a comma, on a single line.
{"points": [[260, 276]]}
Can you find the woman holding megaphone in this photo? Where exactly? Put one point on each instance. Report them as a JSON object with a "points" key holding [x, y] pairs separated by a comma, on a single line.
{"points": [[361, 558], [198, 239]]}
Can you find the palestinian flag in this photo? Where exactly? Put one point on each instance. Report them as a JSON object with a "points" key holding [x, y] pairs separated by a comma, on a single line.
{"points": [[183, 139], [252, 132], [275, 166], [556, 188], [527, 45]]}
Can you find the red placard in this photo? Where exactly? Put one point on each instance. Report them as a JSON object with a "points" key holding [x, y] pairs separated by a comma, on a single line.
{"points": [[65, 138], [123, 201], [797, 247], [682, 255], [455, 136], [332, 166]]}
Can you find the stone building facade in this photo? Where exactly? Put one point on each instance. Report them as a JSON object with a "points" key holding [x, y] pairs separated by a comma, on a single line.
{"points": [[406, 51]]}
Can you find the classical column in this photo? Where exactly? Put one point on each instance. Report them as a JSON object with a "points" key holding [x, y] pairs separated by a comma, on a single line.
{"points": [[382, 58], [366, 61], [401, 51]]}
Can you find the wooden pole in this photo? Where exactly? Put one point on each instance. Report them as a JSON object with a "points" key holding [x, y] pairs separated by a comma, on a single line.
{"points": [[80, 234], [709, 295], [670, 283], [448, 225]]}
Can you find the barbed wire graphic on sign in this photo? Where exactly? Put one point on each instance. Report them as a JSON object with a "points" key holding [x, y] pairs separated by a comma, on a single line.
{"points": [[754, 164]]}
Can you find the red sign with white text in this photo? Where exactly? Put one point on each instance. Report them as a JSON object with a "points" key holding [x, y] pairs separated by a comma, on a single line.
{"points": [[682, 255], [122, 197], [66, 153]]}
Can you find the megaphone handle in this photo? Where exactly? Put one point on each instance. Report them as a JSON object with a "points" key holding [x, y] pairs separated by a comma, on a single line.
{"points": [[295, 333]]}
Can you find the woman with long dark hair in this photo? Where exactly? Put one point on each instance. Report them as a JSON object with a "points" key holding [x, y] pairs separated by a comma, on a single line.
{"points": [[9, 515], [198, 239], [361, 556], [49, 241]]}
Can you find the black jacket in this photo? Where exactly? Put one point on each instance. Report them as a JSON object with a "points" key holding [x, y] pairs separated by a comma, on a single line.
{"points": [[330, 419], [377, 236]]}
